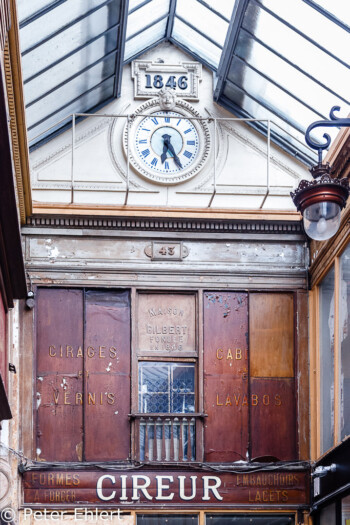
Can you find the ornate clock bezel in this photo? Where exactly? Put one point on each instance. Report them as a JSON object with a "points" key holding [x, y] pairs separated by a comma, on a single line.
{"points": [[151, 107]]}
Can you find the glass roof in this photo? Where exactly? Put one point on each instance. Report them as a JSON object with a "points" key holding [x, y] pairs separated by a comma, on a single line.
{"points": [[199, 27], [291, 65], [271, 62], [71, 58]]}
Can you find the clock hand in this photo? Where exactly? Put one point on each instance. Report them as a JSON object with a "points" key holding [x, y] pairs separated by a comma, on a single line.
{"points": [[164, 154], [169, 147]]}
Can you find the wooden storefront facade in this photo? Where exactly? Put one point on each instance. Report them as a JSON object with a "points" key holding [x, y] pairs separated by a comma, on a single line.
{"points": [[171, 369]]}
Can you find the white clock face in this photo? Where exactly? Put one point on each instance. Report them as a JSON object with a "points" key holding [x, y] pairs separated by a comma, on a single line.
{"points": [[166, 143]]}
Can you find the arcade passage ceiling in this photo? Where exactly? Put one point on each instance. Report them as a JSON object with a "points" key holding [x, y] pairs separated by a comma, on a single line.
{"points": [[269, 61]]}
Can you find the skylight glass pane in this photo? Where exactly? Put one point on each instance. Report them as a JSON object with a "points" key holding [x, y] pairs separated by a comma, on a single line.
{"points": [[46, 25], [285, 131], [146, 15], [197, 43], [271, 96], [313, 24], [89, 100], [70, 91], [285, 75], [65, 42], [225, 7], [339, 8], [298, 50], [135, 3], [28, 8], [70, 66], [145, 39], [203, 19]]}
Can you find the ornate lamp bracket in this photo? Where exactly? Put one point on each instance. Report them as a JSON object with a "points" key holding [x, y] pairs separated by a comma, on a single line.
{"points": [[334, 122], [321, 200]]}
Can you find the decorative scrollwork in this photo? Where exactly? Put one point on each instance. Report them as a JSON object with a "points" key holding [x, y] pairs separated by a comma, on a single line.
{"points": [[319, 181], [333, 122]]}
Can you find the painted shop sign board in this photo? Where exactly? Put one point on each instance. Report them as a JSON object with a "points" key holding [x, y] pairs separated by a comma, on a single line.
{"points": [[173, 488], [166, 324]]}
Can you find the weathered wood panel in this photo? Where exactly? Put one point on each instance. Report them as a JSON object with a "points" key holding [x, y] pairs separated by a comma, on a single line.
{"points": [[173, 488], [273, 422], [107, 375], [271, 335], [226, 375], [272, 385], [59, 384]]}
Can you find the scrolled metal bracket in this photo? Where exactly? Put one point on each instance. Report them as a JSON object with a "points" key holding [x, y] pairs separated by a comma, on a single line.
{"points": [[334, 122]]}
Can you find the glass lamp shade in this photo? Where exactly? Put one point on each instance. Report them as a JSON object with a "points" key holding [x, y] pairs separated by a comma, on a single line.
{"points": [[321, 220], [320, 201]]}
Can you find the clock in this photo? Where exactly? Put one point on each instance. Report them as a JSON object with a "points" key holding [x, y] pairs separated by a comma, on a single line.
{"points": [[167, 147], [166, 143]]}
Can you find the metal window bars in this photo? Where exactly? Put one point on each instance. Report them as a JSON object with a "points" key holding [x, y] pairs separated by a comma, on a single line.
{"points": [[168, 437]]}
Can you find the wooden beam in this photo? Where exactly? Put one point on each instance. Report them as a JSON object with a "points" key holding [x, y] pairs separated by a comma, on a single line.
{"points": [[143, 211]]}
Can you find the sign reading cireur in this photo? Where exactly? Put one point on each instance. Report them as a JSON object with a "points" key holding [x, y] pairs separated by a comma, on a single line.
{"points": [[141, 484], [147, 488]]}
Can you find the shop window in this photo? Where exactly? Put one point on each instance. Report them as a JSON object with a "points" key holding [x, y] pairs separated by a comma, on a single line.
{"points": [[333, 344], [326, 295], [167, 388], [345, 510], [344, 341], [327, 515], [167, 519], [249, 519]]}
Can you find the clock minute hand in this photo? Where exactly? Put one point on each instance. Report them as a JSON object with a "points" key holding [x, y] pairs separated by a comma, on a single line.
{"points": [[164, 154], [169, 147]]}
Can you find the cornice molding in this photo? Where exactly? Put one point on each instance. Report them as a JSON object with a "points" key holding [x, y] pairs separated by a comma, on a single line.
{"points": [[14, 136], [14, 88], [166, 224], [4, 22]]}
